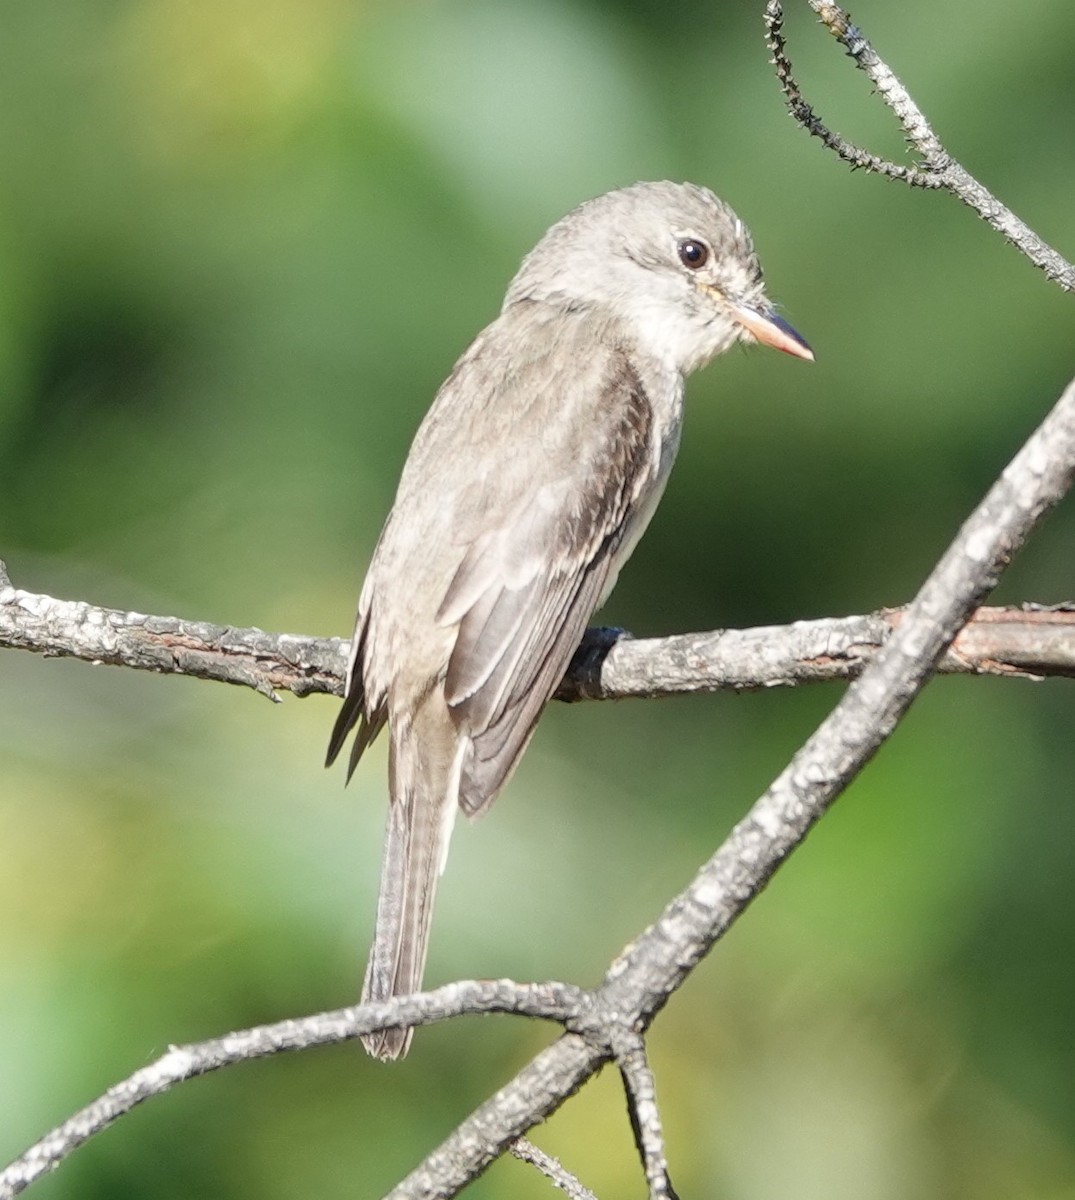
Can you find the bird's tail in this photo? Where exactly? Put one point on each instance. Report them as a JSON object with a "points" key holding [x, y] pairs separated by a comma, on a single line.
{"points": [[423, 773]]}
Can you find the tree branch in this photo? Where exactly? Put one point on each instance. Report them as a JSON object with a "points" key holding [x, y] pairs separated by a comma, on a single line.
{"points": [[525, 1151], [1032, 641], [548, 1001], [938, 168], [640, 1088], [266, 662]]}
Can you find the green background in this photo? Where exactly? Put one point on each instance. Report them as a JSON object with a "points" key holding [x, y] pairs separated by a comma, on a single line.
{"points": [[240, 245]]}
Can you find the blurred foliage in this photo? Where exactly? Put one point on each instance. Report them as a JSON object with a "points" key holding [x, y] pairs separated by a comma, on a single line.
{"points": [[240, 245]]}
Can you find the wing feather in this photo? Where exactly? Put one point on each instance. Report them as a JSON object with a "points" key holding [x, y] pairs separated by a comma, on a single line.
{"points": [[546, 573], [494, 754]]}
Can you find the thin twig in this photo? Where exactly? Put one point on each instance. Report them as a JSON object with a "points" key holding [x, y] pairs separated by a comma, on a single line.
{"points": [[938, 168], [640, 1089], [553, 1170], [806, 116], [548, 1001]]}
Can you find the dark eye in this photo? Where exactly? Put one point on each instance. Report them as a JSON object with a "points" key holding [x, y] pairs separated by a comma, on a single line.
{"points": [[693, 254]]}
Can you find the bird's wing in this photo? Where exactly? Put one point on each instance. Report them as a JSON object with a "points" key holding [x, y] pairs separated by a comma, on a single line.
{"points": [[357, 708], [526, 587]]}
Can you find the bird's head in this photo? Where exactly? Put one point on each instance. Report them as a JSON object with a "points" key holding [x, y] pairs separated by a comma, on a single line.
{"points": [[669, 263]]}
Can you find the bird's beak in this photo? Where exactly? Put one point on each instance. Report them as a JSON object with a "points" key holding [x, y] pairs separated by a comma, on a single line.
{"points": [[769, 329]]}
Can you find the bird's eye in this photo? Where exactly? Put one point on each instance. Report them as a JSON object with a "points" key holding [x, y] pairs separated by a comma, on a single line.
{"points": [[693, 254]]}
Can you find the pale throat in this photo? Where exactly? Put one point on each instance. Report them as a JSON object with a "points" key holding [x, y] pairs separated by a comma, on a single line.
{"points": [[680, 340]]}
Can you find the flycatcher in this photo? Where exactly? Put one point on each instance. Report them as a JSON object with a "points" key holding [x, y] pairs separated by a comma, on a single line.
{"points": [[527, 486]]}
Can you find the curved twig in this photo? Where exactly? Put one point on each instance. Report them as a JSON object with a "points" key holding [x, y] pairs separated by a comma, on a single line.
{"points": [[548, 1001], [938, 168]]}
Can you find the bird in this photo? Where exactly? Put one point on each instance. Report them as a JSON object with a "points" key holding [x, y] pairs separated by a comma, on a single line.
{"points": [[526, 488]]}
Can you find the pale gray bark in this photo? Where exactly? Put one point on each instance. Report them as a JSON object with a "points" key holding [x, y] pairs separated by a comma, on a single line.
{"points": [[551, 1168], [938, 169], [1033, 641]]}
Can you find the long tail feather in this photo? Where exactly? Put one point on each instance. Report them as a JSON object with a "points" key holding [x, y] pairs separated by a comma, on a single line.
{"points": [[424, 786]]}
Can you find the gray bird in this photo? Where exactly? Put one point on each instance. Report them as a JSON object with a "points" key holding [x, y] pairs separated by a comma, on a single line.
{"points": [[527, 486]]}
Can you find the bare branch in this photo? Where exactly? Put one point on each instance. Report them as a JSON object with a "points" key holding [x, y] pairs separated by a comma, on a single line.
{"points": [[168, 645], [534, 1094], [813, 124], [550, 1001], [641, 1091], [1032, 641], [525, 1151], [938, 168]]}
